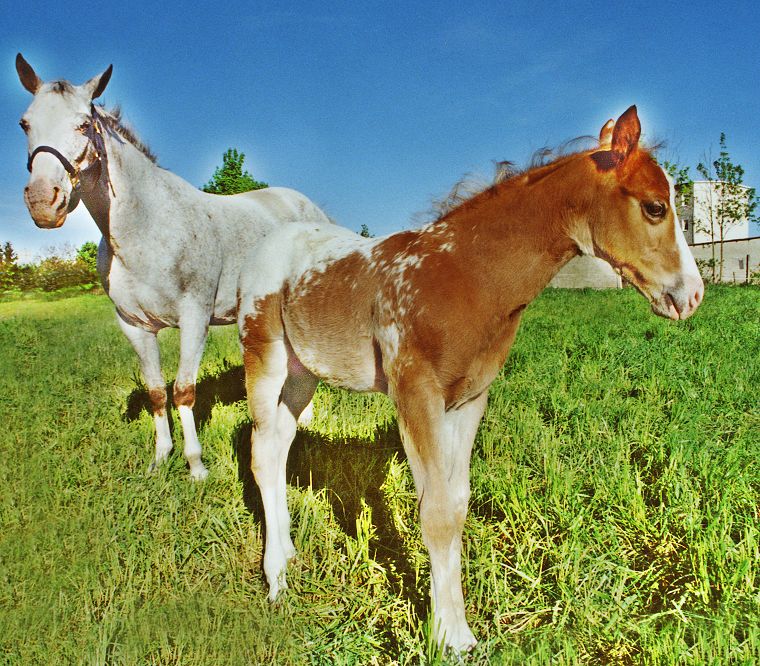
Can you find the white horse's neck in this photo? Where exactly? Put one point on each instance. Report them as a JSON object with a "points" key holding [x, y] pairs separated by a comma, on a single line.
{"points": [[132, 190]]}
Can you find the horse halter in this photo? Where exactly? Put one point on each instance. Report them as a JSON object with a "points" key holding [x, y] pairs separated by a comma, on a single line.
{"points": [[95, 137]]}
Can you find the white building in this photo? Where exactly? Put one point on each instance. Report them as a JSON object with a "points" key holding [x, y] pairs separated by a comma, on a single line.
{"points": [[703, 214]]}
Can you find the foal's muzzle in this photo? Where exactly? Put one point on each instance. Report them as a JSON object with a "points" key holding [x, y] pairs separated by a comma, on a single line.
{"points": [[680, 301]]}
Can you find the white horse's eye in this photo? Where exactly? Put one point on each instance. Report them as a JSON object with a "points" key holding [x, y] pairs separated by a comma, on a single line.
{"points": [[24, 125], [84, 126]]}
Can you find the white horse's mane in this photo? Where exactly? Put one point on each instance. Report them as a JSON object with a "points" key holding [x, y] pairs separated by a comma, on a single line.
{"points": [[115, 122]]}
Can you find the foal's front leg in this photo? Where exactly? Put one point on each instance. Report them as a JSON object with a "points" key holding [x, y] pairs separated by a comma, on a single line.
{"points": [[438, 444]]}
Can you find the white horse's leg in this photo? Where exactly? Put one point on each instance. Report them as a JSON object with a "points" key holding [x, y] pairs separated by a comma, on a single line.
{"points": [[145, 345], [438, 444], [193, 331]]}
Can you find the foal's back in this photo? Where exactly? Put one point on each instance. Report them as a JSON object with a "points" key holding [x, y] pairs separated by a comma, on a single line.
{"points": [[316, 277], [348, 306]]}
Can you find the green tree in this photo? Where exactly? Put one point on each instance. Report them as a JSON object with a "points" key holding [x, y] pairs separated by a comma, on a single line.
{"points": [[730, 202], [88, 255], [9, 255], [365, 231], [230, 178], [8, 267]]}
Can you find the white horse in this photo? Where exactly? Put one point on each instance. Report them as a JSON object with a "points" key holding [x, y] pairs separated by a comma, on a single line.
{"points": [[170, 254]]}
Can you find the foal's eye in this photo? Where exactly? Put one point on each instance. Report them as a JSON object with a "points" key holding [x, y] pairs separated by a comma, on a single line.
{"points": [[24, 125], [84, 126], [654, 210]]}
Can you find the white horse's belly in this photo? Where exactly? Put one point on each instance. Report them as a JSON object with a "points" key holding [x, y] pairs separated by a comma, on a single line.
{"points": [[138, 302]]}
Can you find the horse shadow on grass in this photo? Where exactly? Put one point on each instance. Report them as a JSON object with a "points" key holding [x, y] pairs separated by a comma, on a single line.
{"points": [[227, 388], [349, 470]]}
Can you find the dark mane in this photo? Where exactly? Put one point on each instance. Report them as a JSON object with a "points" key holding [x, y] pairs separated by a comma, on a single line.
{"points": [[113, 120], [468, 187]]}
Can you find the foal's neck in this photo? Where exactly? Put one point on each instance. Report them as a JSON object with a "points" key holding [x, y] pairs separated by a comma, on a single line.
{"points": [[521, 232]]}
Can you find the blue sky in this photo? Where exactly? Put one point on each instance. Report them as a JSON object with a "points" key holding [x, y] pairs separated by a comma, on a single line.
{"points": [[373, 109]]}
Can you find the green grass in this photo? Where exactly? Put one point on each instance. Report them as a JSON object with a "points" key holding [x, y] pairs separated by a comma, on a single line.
{"points": [[614, 514]]}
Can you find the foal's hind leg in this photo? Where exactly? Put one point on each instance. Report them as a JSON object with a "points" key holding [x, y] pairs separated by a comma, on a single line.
{"points": [[145, 344], [295, 398], [438, 444], [275, 399], [192, 332]]}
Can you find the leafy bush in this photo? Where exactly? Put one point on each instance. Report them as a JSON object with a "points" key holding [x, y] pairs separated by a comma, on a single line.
{"points": [[59, 269], [57, 272]]}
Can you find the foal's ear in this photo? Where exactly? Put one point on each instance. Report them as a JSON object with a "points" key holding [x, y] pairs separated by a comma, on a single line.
{"points": [[626, 134], [27, 75], [605, 135], [97, 84]]}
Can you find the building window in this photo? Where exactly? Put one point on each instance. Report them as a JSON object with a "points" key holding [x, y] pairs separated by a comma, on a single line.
{"points": [[741, 264]]}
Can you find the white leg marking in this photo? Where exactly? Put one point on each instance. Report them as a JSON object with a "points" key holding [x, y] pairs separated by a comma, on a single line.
{"points": [[275, 399], [198, 471], [439, 455], [264, 385], [193, 330], [163, 438], [145, 345]]}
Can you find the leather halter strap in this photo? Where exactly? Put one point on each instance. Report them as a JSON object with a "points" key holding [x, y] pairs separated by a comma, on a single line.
{"points": [[95, 137], [49, 149]]}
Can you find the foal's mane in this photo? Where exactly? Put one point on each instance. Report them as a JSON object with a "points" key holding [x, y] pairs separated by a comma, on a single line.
{"points": [[469, 186], [113, 121]]}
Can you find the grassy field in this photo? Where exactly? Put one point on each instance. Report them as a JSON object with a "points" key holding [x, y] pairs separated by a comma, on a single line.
{"points": [[614, 514]]}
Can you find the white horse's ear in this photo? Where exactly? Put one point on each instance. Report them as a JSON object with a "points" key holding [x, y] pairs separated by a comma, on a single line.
{"points": [[605, 135], [97, 84], [27, 75]]}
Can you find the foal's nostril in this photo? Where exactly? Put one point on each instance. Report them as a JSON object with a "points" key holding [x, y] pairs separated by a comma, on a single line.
{"points": [[696, 298], [56, 191]]}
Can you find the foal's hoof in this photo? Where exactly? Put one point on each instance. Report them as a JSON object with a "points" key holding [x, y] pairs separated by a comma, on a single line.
{"points": [[456, 639], [276, 594], [198, 473], [461, 643]]}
